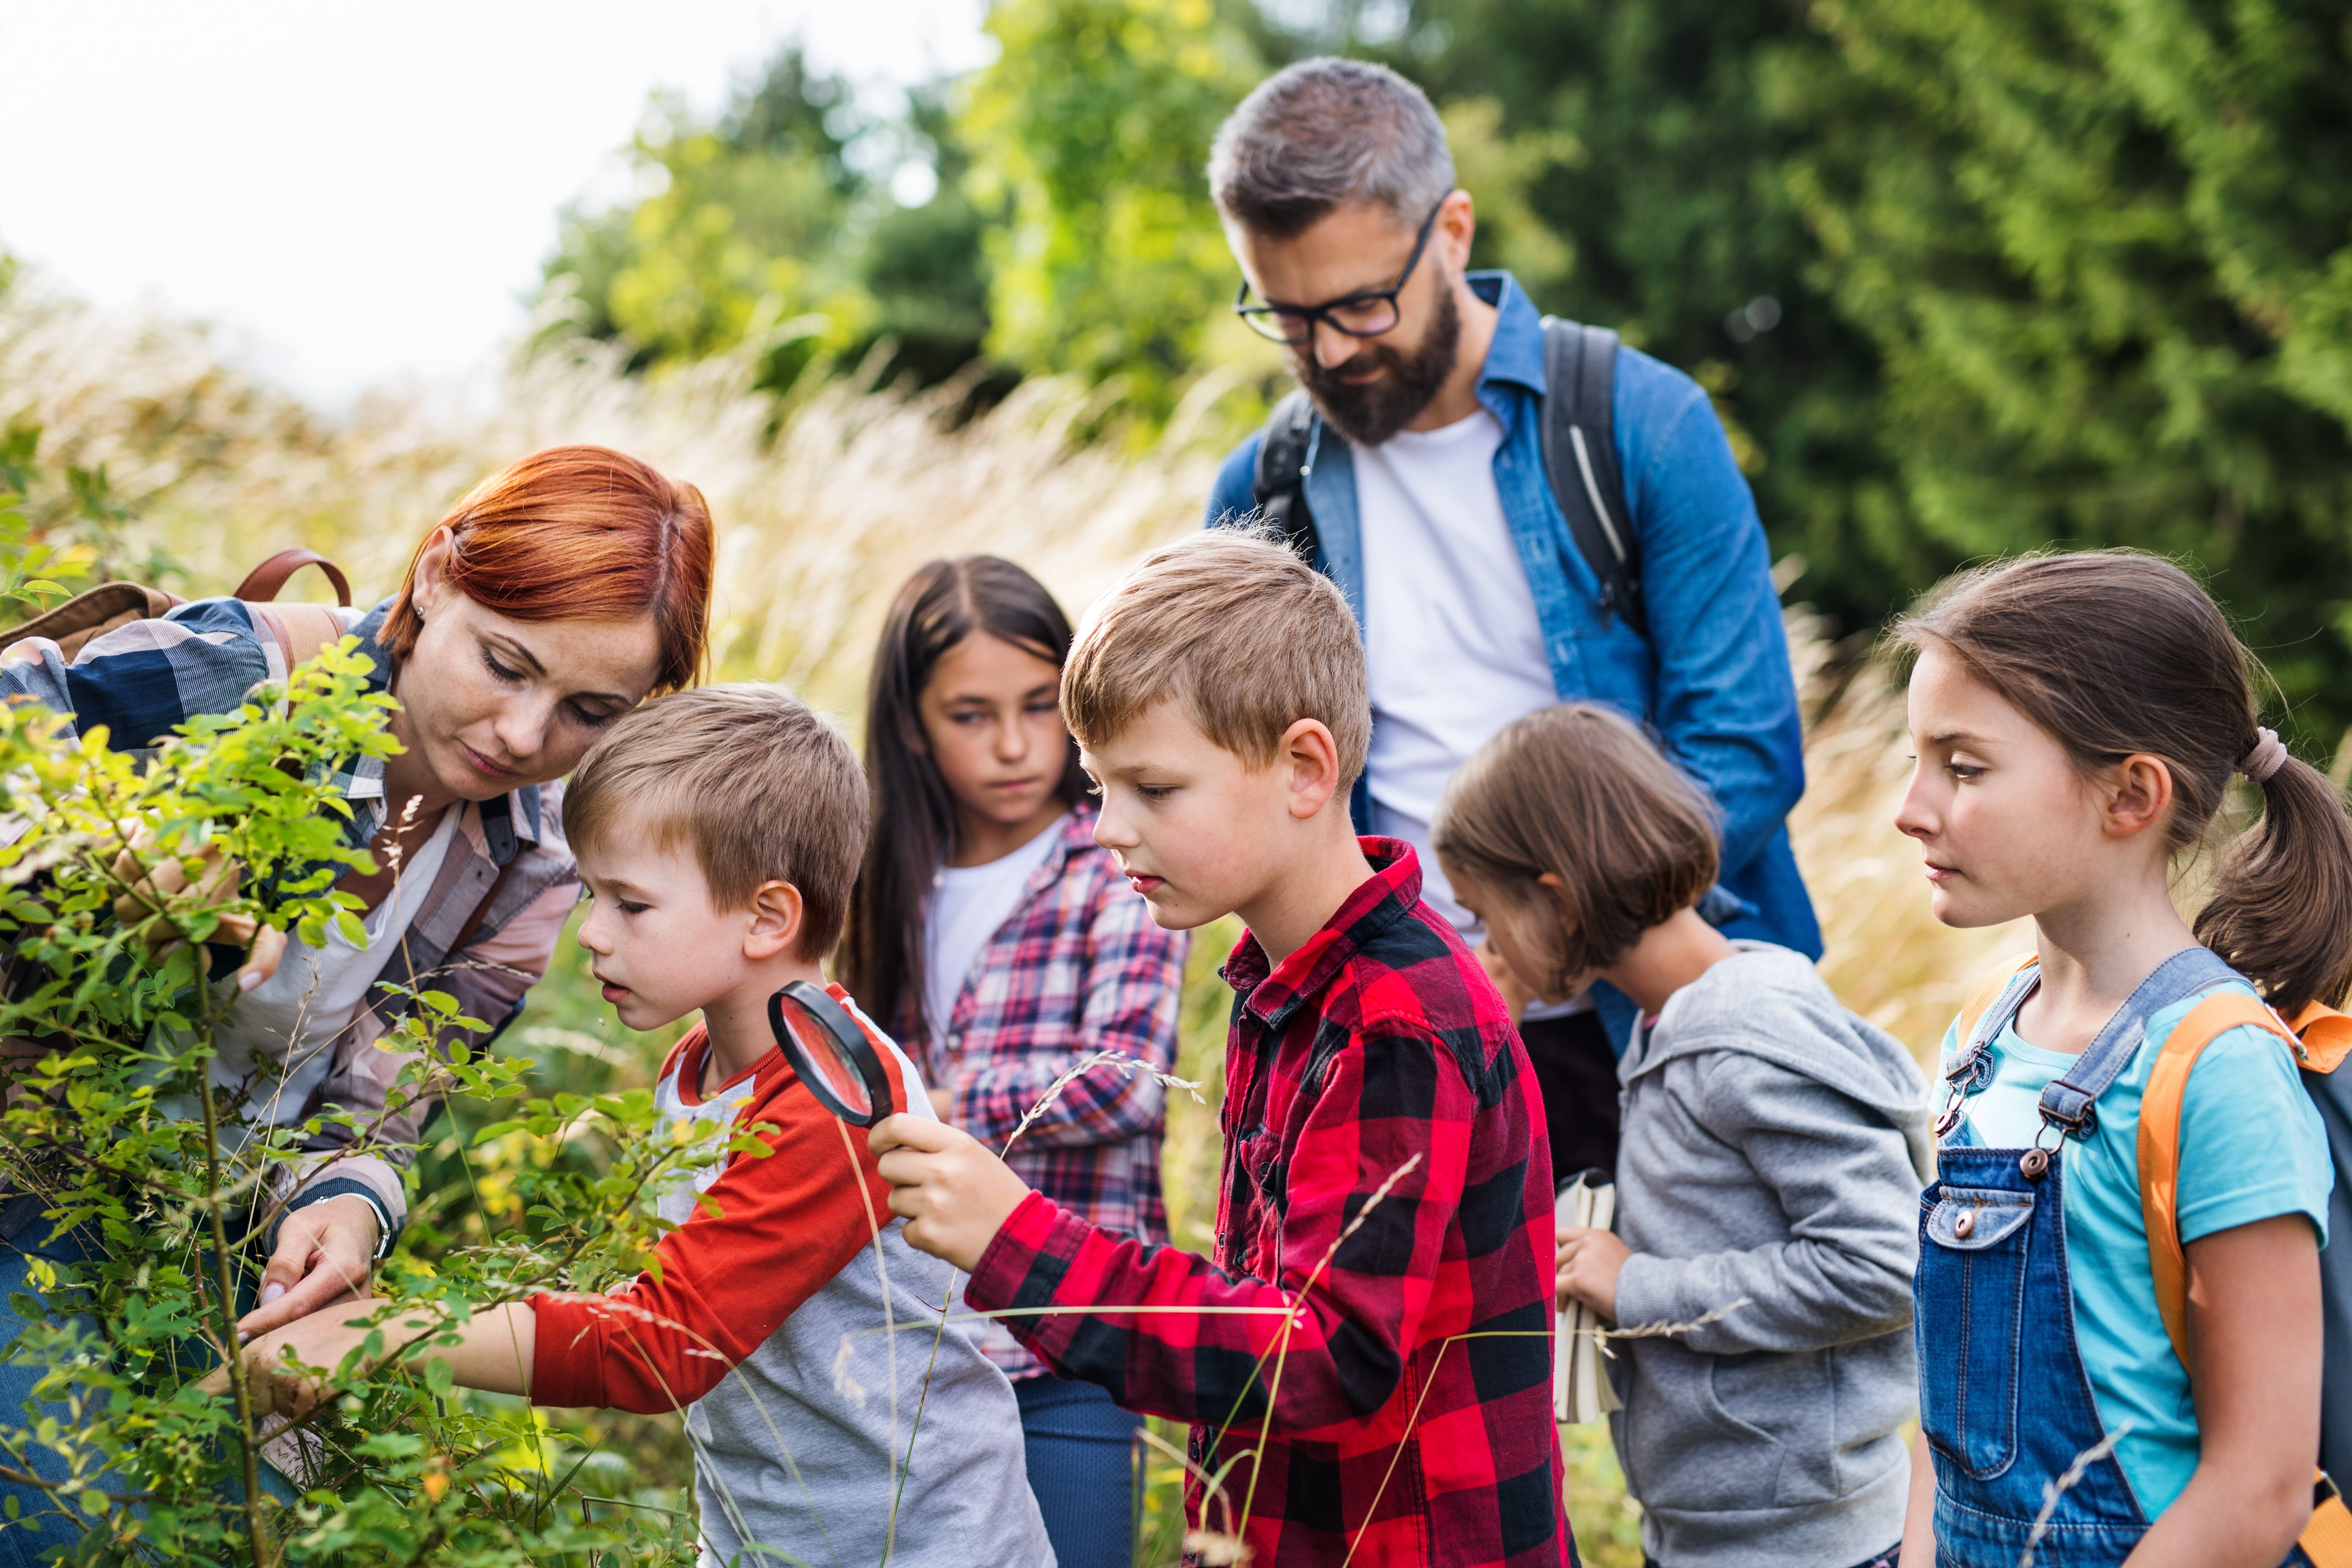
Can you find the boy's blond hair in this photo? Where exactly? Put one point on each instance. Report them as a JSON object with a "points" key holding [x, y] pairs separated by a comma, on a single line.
{"points": [[1233, 624], [760, 784]]}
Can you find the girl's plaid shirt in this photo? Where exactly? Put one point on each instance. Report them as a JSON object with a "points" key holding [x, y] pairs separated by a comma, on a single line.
{"points": [[1079, 967], [1407, 1367]]}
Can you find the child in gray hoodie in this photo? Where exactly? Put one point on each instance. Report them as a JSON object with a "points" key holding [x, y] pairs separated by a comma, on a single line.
{"points": [[1774, 1147]]}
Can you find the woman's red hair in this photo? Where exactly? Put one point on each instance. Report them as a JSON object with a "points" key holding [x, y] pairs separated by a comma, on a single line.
{"points": [[579, 534]]}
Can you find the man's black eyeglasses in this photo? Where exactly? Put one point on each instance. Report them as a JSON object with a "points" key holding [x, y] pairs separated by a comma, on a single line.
{"points": [[1358, 315]]}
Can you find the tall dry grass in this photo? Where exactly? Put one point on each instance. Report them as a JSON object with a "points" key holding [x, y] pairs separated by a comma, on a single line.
{"points": [[823, 507]]}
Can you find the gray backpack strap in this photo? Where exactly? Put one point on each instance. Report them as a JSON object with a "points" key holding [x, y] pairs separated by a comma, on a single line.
{"points": [[1579, 454], [1285, 455]]}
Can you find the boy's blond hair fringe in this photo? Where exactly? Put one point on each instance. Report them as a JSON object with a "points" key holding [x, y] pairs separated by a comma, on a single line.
{"points": [[762, 787], [1230, 622]]}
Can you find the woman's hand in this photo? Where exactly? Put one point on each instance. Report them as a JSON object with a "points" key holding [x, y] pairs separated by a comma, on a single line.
{"points": [[943, 1104], [214, 882], [325, 1253], [1588, 1260]]}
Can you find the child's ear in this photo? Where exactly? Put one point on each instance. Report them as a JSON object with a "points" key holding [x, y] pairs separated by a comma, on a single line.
{"points": [[775, 923], [1312, 757], [1557, 884], [2139, 796]]}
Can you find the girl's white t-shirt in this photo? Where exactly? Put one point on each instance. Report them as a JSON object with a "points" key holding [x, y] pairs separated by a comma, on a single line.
{"points": [[275, 1044], [968, 904]]}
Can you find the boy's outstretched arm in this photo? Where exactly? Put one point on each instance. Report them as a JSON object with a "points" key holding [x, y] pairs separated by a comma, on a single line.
{"points": [[494, 1351], [1340, 1315]]}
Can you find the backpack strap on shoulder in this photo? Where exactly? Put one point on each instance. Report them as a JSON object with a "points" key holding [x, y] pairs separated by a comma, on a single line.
{"points": [[1286, 456], [2326, 1537], [297, 632], [2323, 1038], [1987, 990], [2159, 1144], [1578, 439]]}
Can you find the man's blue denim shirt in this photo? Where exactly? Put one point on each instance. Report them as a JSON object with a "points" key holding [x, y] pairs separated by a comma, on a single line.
{"points": [[1712, 681]]}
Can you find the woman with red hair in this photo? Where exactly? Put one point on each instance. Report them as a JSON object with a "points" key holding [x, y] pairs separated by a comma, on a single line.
{"points": [[557, 595]]}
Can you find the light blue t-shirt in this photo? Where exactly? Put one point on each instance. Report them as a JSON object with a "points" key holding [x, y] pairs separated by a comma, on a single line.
{"points": [[2252, 1148]]}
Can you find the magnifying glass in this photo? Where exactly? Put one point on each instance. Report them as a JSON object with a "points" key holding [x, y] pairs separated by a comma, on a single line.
{"points": [[833, 1056]]}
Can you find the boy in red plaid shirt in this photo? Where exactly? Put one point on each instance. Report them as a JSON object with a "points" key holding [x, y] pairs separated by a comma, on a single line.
{"points": [[1366, 1361]]}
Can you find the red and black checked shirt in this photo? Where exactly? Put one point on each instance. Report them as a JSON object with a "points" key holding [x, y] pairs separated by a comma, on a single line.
{"points": [[1410, 1397]]}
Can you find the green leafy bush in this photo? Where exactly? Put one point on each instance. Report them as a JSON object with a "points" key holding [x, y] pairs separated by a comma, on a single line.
{"points": [[117, 1126]]}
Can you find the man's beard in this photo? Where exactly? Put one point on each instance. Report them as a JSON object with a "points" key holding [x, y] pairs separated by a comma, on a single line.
{"points": [[1369, 413]]}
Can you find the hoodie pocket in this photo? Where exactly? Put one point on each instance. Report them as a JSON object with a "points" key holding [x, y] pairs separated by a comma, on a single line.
{"points": [[1970, 1301]]}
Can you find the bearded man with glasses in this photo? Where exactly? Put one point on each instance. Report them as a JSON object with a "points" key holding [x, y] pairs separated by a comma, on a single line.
{"points": [[1503, 549]]}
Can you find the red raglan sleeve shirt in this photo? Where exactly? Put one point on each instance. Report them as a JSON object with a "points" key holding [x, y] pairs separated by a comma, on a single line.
{"points": [[774, 1231]]}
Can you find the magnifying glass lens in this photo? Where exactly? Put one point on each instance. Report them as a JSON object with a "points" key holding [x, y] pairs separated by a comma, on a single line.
{"points": [[821, 1059]]}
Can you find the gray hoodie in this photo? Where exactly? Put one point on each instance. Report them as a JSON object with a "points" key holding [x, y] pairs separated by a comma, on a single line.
{"points": [[1774, 1149]]}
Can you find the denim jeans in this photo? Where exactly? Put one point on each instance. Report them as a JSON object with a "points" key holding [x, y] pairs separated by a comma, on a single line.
{"points": [[39, 1527], [1078, 1443]]}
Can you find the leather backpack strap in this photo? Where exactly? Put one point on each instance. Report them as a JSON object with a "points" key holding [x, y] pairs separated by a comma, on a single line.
{"points": [[481, 911], [262, 585], [298, 630], [2159, 1146]]}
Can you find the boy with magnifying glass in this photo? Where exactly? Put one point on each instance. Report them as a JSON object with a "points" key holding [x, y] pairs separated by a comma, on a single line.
{"points": [[720, 831], [1365, 1355]]}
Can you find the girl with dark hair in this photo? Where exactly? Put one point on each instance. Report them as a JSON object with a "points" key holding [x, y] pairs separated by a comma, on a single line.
{"points": [[2118, 1298], [990, 934]]}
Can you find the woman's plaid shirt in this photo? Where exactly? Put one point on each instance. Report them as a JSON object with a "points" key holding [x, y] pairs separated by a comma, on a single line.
{"points": [[1406, 1362], [1079, 967], [142, 679]]}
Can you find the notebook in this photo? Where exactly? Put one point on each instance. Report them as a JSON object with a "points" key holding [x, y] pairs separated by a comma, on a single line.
{"points": [[1581, 1391]]}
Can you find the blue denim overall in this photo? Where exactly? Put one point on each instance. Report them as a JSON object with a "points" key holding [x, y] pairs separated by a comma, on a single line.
{"points": [[2003, 1399]]}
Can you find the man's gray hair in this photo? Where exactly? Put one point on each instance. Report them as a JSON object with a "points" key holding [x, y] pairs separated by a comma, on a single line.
{"points": [[1324, 134]]}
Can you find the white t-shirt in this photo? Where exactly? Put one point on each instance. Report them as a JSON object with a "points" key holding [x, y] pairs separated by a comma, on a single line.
{"points": [[292, 1018], [1455, 645], [968, 904]]}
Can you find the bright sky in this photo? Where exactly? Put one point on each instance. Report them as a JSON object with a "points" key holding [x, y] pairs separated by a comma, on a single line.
{"points": [[356, 195]]}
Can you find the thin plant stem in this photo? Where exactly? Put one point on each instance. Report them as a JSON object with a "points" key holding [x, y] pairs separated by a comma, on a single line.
{"points": [[257, 1532]]}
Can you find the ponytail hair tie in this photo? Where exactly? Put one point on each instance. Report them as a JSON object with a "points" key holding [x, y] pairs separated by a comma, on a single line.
{"points": [[2268, 756]]}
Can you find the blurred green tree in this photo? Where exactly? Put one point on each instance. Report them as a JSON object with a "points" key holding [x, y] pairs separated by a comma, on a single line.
{"points": [[2104, 247], [777, 225], [1091, 130], [1629, 169]]}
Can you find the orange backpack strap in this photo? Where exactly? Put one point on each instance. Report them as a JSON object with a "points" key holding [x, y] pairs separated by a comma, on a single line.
{"points": [[2327, 1540], [1987, 992], [2324, 1037], [2159, 1146]]}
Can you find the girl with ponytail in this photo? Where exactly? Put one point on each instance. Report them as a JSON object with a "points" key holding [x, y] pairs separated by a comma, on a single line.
{"points": [[2077, 719]]}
